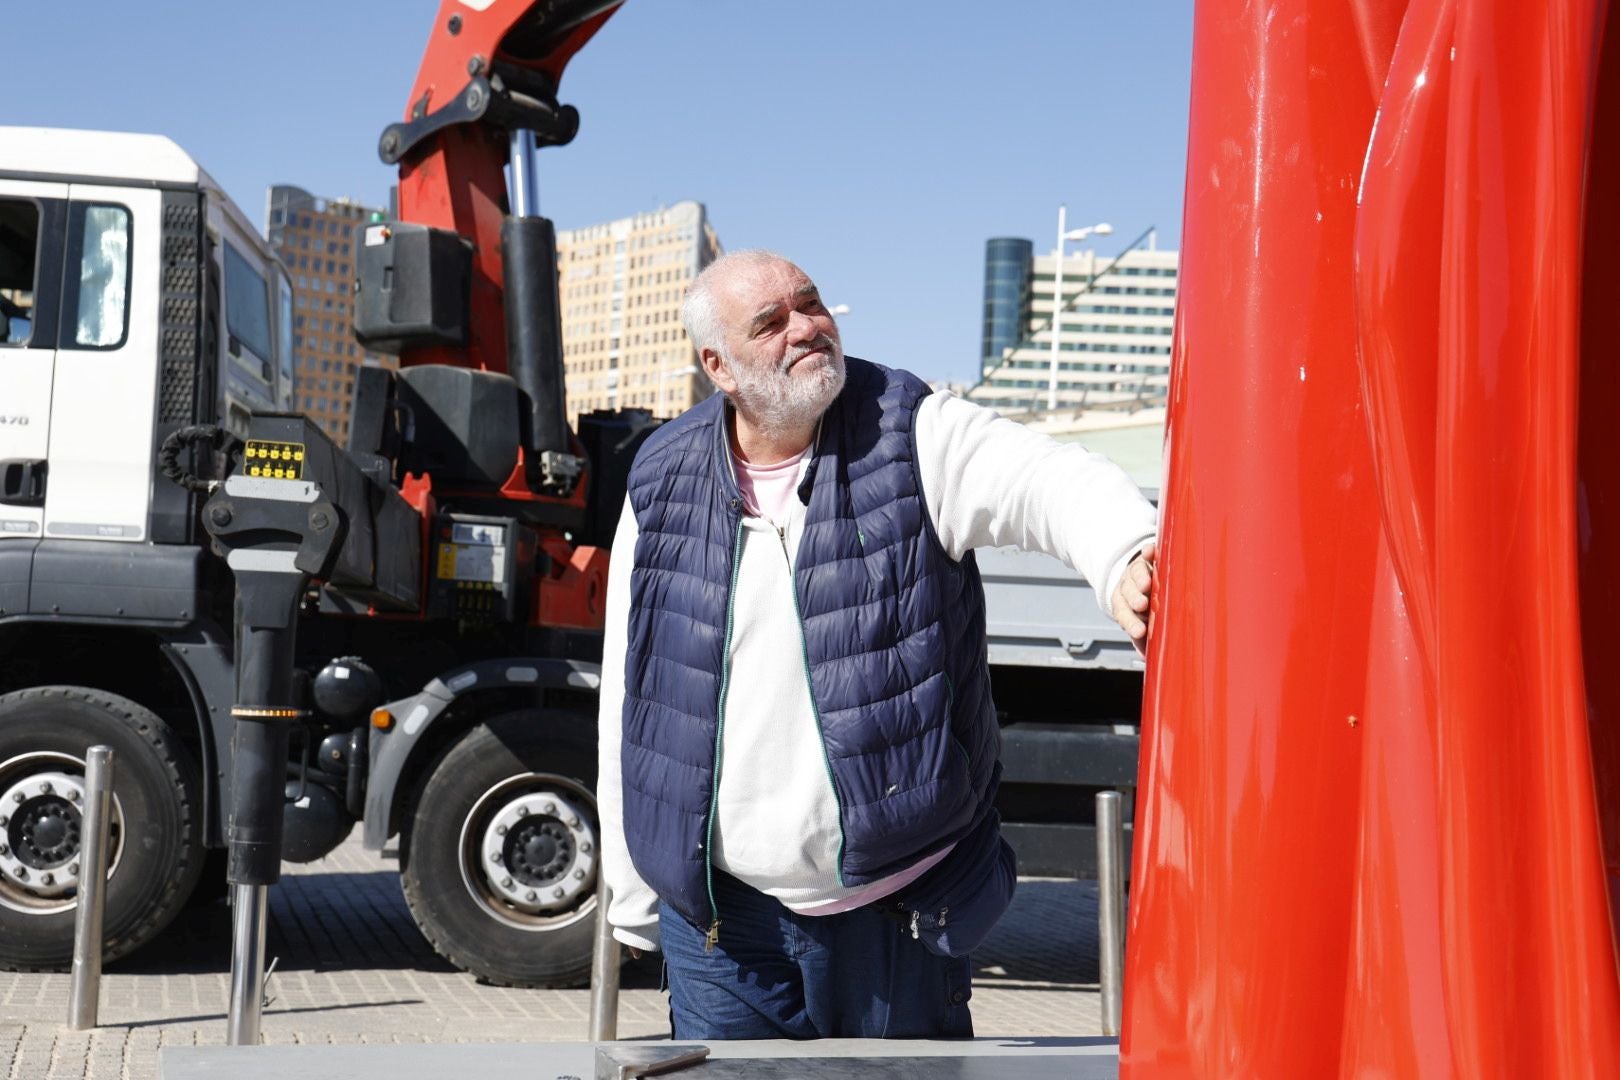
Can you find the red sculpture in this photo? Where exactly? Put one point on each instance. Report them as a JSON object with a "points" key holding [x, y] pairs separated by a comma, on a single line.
{"points": [[1379, 815]]}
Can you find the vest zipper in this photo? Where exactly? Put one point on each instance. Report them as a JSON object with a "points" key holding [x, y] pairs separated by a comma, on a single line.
{"points": [[815, 709], [713, 938]]}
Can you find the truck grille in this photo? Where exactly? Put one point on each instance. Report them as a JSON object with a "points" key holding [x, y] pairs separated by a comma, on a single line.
{"points": [[181, 323]]}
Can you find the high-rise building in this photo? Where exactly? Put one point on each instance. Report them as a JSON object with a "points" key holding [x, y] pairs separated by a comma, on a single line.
{"points": [[1113, 335], [1008, 265], [316, 239], [621, 286]]}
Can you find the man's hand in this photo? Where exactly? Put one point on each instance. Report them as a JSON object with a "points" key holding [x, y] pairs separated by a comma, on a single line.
{"points": [[1133, 596]]}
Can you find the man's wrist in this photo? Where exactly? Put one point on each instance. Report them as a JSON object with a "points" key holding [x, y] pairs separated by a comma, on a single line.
{"points": [[1116, 574], [637, 940]]}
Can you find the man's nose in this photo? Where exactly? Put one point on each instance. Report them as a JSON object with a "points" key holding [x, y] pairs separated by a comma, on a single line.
{"points": [[802, 328]]}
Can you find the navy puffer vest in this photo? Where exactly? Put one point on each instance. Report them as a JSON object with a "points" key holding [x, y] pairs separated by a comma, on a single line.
{"points": [[893, 633]]}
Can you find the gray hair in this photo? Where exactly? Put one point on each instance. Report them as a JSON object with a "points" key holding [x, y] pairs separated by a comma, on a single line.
{"points": [[698, 312]]}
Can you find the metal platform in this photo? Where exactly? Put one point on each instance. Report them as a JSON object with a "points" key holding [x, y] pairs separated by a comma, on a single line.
{"points": [[828, 1059]]}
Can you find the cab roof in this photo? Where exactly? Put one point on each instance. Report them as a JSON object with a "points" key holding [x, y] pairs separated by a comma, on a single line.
{"points": [[95, 155], [115, 157]]}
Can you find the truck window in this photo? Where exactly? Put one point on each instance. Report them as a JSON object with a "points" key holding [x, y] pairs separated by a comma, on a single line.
{"points": [[19, 251], [247, 306], [99, 293]]}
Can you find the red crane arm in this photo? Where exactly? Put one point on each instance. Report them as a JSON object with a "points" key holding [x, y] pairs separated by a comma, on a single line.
{"points": [[487, 68]]}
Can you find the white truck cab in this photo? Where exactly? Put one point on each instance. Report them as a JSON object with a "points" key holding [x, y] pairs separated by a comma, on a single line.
{"points": [[136, 302], [135, 298]]}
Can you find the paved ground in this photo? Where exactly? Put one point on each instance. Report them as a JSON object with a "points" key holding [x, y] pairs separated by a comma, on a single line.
{"points": [[353, 969]]}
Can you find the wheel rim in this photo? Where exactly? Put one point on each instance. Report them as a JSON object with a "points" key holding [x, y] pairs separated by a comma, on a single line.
{"points": [[41, 814], [529, 849]]}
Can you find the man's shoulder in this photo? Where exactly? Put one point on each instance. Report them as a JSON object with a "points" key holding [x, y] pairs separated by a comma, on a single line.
{"points": [[881, 398], [874, 380], [675, 436]]}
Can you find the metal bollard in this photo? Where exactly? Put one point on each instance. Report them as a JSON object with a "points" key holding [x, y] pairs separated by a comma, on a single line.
{"points": [[249, 915], [604, 971], [85, 1001], [1111, 907]]}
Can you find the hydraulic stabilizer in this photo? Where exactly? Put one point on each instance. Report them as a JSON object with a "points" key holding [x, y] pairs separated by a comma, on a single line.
{"points": [[295, 511], [276, 535]]}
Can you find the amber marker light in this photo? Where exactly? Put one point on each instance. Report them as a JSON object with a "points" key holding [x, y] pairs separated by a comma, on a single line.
{"points": [[382, 719]]}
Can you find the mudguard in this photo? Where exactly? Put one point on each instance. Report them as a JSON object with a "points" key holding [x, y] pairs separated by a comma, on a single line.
{"points": [[392, 750]]}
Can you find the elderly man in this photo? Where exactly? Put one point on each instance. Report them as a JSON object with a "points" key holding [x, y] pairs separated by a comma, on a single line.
{"points": [[798, 747]]}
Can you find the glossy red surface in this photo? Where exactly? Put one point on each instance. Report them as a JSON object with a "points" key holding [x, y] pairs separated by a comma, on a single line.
{"points": [[1379, 810]]}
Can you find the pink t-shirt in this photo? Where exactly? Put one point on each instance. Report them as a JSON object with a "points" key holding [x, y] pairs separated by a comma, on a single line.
{"points": [[767, 491]]}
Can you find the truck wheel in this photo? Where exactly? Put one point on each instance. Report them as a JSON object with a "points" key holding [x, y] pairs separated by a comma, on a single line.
{"points": [[499, 861], [155, 852]]}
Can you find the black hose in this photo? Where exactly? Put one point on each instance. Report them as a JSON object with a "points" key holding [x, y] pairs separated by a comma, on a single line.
{"points": [[210, 435]]}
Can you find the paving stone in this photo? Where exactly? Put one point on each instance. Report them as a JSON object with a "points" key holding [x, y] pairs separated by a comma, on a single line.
{"points": [[354, 970]]}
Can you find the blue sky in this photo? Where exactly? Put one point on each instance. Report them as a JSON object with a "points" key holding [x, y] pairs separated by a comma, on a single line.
{"points": [[879, 143]]}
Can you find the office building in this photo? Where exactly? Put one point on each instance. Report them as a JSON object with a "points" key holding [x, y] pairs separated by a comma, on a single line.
{"points": [[621, 286], [316, 240], [1113, 335]]}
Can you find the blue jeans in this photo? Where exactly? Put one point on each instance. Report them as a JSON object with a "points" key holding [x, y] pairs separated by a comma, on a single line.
{"points": [[775, 974]]}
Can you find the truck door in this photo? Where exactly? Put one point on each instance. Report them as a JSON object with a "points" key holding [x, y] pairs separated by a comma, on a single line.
{"points": [[105, 389], [32, 216], [248, 369]]}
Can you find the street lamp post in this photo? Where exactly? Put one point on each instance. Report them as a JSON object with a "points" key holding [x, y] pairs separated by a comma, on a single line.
{"points": [[1064, 235]]}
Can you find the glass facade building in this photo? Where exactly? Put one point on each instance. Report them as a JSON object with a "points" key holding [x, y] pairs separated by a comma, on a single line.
{"points": [[1113, 330], [1007, 269]]}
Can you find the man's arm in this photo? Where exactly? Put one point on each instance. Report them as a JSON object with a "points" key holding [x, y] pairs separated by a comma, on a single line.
{"points": [[989, 482], [633, 910]]}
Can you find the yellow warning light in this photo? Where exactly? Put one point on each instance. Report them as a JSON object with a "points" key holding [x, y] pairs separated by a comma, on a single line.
{"points": [[264, 450], [382, 719]]}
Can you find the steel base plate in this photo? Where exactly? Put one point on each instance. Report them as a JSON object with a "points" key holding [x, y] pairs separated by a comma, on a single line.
{"points": [[830, 1059]]}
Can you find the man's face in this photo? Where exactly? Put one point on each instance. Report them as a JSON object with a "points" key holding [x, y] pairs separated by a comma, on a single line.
{"points": [[783, 363]]}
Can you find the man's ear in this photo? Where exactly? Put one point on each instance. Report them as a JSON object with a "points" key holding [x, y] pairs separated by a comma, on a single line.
{"points": [[715, 369]]}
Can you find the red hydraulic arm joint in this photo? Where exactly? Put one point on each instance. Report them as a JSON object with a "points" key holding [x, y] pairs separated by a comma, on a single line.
{"points": [[478, 74], [485, 99]]}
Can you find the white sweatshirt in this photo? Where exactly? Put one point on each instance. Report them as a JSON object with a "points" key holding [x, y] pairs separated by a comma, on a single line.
{"points": [[987, 482]]}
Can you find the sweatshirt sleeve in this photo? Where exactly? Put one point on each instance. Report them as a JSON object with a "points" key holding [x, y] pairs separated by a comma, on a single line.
{"points": [[990, 482], [633, 909]]}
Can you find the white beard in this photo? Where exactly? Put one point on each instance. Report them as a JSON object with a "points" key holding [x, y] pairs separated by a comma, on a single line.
{"points": [[778, 400]]}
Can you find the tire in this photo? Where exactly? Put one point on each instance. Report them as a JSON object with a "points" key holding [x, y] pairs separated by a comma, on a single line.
{"points": [[155, 853], [531, 774], [212, 888]]}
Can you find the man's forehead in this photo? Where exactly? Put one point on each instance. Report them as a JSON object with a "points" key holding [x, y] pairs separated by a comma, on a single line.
{"points": [[775, 282]]}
